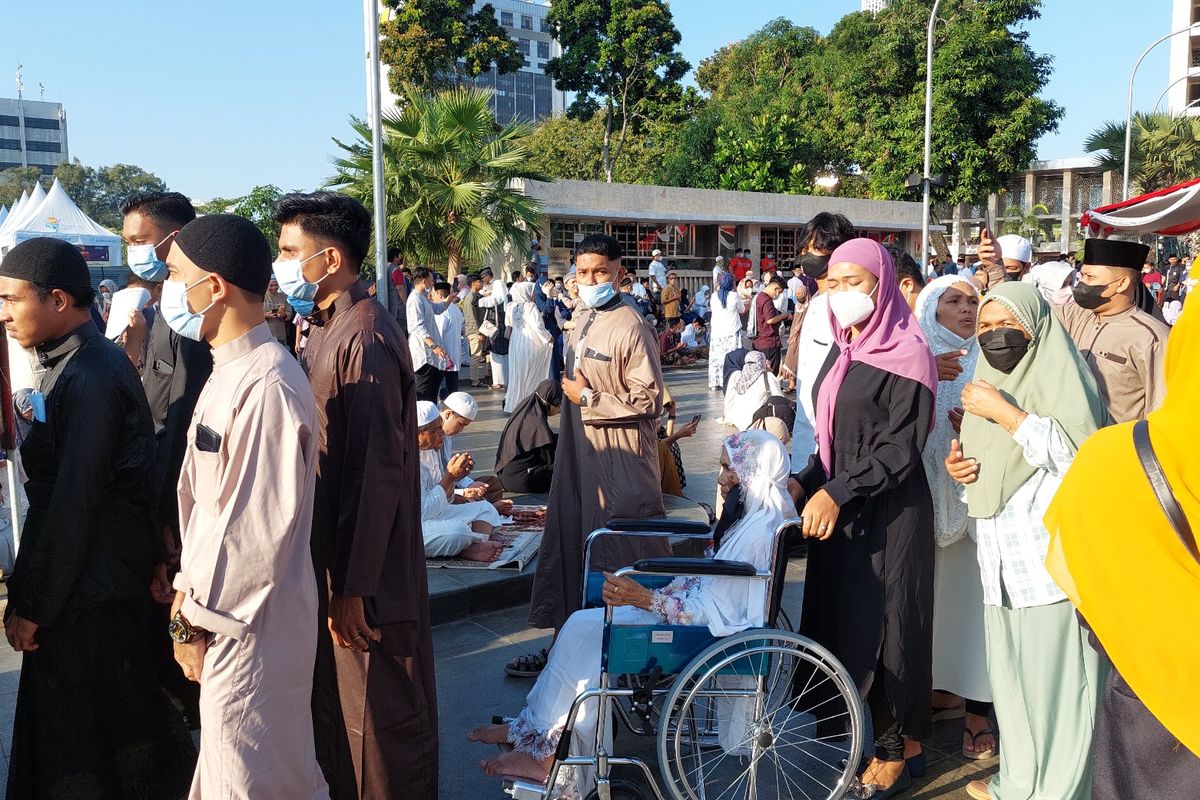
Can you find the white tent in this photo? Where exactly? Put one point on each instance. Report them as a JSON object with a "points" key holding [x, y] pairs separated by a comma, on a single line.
{"points": [[57, 216], [3, 214], [36, 196], [14, 212], [1173, 211]]}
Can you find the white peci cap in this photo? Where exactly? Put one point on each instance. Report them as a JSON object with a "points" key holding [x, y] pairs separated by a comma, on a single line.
{"points": [[462, 404], [1016, 247]]}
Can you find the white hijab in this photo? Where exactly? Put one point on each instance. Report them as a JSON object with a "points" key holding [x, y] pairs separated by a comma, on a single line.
{"points": [[762, 466], [949, 510]]}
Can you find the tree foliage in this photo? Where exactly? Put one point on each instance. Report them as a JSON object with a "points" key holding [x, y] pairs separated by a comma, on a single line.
{"points": [[621, 60], [1165, 150], [434, 44], [448, 173], [15, 181], [99, 191]]}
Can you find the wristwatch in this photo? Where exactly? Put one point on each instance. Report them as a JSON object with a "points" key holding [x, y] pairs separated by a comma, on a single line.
{"points": [[181, 631]]}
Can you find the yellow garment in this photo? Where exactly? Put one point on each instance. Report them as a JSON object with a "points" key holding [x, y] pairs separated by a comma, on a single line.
{"points": [[1115, 554]]}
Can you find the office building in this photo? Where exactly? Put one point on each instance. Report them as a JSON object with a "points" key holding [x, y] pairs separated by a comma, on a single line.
{"points": [[33, 133], [529, 93], [1183, 76], [874, 6]]}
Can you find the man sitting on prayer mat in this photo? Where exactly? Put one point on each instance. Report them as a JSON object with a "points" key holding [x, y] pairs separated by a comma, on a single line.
{"points": [[459, 410]]}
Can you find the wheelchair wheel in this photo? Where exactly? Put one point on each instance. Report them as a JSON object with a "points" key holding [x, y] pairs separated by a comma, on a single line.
{"points": [[762, 713], [619, 790]]}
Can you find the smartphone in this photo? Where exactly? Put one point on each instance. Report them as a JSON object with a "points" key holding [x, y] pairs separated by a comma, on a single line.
{"points": [[696, 419]]}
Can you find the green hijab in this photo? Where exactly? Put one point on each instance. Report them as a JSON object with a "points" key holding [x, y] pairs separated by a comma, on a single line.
{"points": [[1052, 380]]}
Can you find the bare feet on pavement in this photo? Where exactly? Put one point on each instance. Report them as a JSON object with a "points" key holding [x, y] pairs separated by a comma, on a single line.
{"points": [[489, 734], [518, 765]]}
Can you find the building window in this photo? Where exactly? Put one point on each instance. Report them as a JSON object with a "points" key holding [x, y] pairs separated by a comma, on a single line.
{"points": [[566, 233], [1049, 193], [1012, 199], [506, 19], [43, 147], [12, 122], [10, 144], [544, 25], [1087, 191], [526, 22], [543, 49], [38, 122], [523, 46]]}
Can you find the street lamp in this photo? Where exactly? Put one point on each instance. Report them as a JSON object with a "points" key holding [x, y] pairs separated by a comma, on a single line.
{"points": [[374, 99], [1170, 86], [928, 132], [1129, 104]]}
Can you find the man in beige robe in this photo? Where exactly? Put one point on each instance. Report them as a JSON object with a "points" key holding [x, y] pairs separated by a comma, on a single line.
{"points": [[243, 616], [606, 464]]}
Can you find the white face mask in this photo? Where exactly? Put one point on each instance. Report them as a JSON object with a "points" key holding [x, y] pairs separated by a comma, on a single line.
{"points": [[851, 307]]}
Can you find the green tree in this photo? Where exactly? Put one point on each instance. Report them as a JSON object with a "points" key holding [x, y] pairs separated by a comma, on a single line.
{"points": [[1165, 150], [621, 61], [434, 44], [449, 177], [573, 149], [257, 206], [218, 205], [14, 181], [768, 157], [98, 191], [1027, 223]]}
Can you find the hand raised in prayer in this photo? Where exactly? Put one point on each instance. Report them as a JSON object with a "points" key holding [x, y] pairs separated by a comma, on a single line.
{"points": [[459, 466], [955, 415], [962, 470], [348, 624], [573, 388], [625, 591], [948, 366], [989, 249], [820, 515], [20, 633]]}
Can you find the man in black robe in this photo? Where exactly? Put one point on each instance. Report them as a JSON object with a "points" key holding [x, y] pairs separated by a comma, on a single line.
{"points": [[90, 722], [374, 696], [174, 372]]}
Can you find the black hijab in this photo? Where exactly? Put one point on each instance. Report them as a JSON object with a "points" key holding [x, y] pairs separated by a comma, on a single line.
{"points": [[529, 426]]}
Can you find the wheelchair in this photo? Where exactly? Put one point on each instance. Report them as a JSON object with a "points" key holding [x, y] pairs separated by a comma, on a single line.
{"points": [[799, 728]]}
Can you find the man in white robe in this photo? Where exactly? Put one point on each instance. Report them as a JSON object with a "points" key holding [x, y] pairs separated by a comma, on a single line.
{"points": [[244, 616]]}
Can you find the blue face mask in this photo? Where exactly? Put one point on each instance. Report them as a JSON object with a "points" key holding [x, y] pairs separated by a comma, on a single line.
{"points": [[596, 296], [174, 308], [143, 260], [301, 293]]}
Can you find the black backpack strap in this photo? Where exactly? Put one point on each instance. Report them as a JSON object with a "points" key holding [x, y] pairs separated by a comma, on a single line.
{"points": [[1162, 487]]}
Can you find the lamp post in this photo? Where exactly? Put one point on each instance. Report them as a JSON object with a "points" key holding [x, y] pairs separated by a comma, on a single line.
{"points": [[928, 133], [1170, 86], [1129, 103], [374, 99]]}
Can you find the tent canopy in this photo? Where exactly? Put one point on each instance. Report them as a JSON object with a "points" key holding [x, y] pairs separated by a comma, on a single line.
{"points": [[1173, 211], [56, 215], [28, 207]]}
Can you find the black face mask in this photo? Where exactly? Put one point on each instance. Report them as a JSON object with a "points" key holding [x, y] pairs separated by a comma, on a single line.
{"points": [[814, 266], [1003, 348], [1089, 296]]}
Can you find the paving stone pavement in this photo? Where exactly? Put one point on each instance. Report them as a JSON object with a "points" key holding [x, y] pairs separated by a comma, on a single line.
{"points": [[470, 654]]}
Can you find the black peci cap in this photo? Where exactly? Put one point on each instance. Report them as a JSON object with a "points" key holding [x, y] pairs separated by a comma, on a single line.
{"points": [[230, 246], [49, 262]]}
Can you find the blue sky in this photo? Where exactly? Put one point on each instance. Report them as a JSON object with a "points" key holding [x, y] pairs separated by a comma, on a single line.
{"points": [[218, 96]]}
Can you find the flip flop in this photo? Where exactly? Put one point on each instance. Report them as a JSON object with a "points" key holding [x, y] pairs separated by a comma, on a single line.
{"points": [[528, 666], [979, 755]]}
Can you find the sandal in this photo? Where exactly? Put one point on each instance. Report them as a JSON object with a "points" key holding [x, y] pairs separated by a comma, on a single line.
{"points": [[979, 755], [529, 666]]}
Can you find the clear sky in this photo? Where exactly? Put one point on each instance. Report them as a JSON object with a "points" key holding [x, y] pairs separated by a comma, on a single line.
{"points": [[218, 96]]}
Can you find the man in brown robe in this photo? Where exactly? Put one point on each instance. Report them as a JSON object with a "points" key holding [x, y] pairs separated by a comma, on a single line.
{"points": [[380, 740], [606, 464]]}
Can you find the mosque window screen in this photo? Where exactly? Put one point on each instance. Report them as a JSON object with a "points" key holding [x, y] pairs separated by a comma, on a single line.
{"points": [[1087, 192], [1049, 193]]}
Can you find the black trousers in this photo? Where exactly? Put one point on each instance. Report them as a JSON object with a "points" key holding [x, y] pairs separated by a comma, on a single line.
{"points": [[429, 381], [773, 355], [450, 381]]}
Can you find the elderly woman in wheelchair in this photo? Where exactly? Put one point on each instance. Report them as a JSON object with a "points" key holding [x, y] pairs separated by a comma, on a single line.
{"points": [[754, 477]]}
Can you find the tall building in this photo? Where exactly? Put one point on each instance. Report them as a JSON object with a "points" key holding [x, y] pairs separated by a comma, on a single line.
{"points": [[528, 93], [1183, 87], [33, 133], [874, 6]]}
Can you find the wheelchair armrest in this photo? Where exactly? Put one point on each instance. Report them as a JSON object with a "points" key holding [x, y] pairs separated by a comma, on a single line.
{"points": [[696, 566], [680, 526]]}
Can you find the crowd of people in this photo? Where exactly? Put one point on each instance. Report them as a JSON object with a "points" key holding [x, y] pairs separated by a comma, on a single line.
{"points": [[231, 500]]}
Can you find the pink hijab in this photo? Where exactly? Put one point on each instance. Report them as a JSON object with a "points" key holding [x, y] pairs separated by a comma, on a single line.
{"points": [[892, 340]]}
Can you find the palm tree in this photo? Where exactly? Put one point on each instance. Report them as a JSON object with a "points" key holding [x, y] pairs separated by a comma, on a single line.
{"points": [[1165, 149], [448, 176], [1026, 223]]}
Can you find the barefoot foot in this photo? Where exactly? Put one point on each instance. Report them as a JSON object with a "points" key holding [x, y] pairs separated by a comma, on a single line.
{"points": [[518, 765], [486, 552], [489, 734]]}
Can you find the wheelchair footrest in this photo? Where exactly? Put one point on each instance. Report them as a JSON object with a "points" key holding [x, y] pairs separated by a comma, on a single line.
{"points": [[521, 789]]}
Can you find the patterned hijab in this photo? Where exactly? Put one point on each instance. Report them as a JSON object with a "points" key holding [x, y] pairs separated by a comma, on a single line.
{"points": [[1052, 380], [752, 370]]}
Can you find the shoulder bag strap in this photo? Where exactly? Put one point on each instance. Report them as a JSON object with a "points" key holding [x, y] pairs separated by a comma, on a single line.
{"points": [[1162, 488]]}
